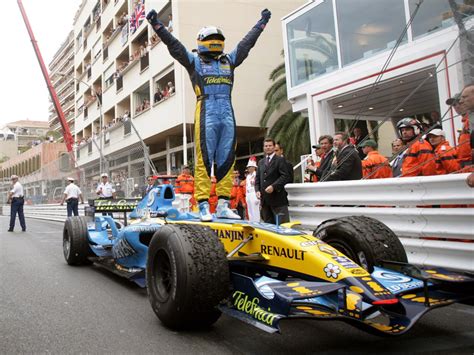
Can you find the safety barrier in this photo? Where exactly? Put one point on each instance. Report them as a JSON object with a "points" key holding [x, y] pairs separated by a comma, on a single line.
{"points": [[51, 212], [414, 208], [431, 236]]}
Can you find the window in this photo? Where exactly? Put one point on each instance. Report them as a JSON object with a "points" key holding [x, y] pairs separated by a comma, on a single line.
{"points": [[312, 44], [142, 99], [164, 85], [367, 27], [109, 76], [431, 18]]}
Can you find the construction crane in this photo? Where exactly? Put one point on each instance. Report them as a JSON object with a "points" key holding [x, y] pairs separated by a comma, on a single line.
{"points": [[68, 140]]}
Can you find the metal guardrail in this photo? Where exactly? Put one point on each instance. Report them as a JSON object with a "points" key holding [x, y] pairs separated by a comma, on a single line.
{"points": [[431, 236], [50, 212], [427, 213]]}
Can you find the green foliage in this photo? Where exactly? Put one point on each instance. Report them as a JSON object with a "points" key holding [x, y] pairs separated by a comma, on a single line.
{"points": [[290, 129]]}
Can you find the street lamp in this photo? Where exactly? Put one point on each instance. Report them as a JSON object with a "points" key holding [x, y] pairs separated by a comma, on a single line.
{"points": [[101, 124]]}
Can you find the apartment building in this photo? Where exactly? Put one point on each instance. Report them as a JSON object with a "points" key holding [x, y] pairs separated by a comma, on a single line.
{"points": [[61, 72], [336, 50], [121, 70], [27, 133]]}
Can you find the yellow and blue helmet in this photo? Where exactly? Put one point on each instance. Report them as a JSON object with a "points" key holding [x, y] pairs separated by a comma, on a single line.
{"points": [[210, 40]]}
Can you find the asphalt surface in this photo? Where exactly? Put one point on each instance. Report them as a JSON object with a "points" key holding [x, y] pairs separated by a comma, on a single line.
{"points": [[47, 306]]}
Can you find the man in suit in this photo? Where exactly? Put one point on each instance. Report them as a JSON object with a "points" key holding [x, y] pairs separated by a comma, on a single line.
{"points": [[279, 151], [324, 168], [347, 164], [272, 175]]}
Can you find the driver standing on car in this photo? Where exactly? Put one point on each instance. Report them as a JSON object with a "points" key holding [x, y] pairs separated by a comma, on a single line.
{"points": [[212, 75]]}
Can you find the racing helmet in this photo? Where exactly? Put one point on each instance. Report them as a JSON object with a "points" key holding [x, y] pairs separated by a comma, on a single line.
{"points": [[409, 122], [210, 40]]}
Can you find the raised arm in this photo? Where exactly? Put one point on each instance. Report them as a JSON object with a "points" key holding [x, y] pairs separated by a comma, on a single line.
{"points": [[238, 55], [175, 47]]}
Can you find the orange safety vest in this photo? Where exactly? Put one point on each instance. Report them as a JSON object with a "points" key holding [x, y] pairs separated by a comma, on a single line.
{"points": [[463, 151], [419, 159], [446, 159], [184, 184], [376, 166]]}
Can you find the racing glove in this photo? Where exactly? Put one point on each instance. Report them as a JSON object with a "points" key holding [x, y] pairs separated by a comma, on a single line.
{"points": [[152, 18], [266, 14]]}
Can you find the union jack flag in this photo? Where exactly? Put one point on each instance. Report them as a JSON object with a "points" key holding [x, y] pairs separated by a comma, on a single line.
{"points": [[138, 15]]}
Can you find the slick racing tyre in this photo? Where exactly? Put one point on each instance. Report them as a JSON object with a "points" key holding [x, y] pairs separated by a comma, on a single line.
{"points": [[75, 241], [364, 240], [187, 275]]}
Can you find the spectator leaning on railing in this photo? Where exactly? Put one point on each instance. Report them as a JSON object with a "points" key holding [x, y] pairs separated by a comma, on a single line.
{"points": [[346, 165], [466, 105]]}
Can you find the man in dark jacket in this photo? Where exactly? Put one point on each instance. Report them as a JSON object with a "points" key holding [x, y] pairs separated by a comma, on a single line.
{"points": [[347, 164], [326, 143], [279, 151], [272, 175]]}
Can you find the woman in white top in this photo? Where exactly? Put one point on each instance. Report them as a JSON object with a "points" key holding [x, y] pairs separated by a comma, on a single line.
{"points": [[253, 203]]}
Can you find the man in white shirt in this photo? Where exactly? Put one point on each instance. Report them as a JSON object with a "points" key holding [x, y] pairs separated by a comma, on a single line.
{"points": [[72, 194], [16, 197], [105, 189]]}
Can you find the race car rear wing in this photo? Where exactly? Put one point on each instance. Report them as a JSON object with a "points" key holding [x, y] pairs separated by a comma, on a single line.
{"points": [[114, 205]]}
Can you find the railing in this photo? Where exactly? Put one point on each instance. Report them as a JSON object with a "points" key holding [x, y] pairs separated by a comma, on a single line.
{"points": [[50, 212], [427, 213], [431, 236]]}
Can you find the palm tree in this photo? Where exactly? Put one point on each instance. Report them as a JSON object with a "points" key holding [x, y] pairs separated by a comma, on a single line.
{"points": [[291, 129]]}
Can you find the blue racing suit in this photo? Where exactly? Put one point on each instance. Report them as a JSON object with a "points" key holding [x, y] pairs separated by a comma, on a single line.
{"points": [[214, 121]]}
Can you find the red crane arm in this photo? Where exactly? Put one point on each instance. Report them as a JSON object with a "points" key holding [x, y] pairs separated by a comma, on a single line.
{"points": [[66, 131]]}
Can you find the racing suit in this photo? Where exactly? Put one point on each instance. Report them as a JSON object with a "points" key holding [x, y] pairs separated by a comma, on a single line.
{"points": [[214, 121]]}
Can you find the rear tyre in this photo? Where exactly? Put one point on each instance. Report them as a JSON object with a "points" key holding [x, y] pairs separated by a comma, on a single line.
{"points": [[187, 276], [76, 247], [364, 240]]}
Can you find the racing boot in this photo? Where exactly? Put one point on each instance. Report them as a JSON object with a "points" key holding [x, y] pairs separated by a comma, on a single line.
{"points": [[223, 210], [204, 212]]}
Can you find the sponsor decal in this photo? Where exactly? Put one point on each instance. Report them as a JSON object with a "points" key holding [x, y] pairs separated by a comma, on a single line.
{"points": [[282, 252], [396, 282], [346, 262], [232, 235], [310, 243], [358, 271], [217, 80], [243, 303], [115, 205], [143, 228], [332, 270], [327, 249], [122, 249]]}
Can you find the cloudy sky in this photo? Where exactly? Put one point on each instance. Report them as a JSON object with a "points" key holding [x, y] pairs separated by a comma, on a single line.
{"points": [[23, 90]]}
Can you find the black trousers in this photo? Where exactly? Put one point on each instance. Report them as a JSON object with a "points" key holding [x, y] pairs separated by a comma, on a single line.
{"points": [[17, 207], [269, 214], [72, 207]]}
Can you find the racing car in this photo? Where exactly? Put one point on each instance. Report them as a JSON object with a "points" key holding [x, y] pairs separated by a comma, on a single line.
{"points": [[352, 269]]}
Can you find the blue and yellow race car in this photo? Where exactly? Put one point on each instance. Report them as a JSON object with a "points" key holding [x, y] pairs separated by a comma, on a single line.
{"points": [[352, 269]]}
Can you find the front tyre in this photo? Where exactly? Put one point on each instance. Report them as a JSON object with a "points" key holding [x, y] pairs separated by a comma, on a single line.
{"points": [[76, 247], [187, 275], [364, 240]]}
